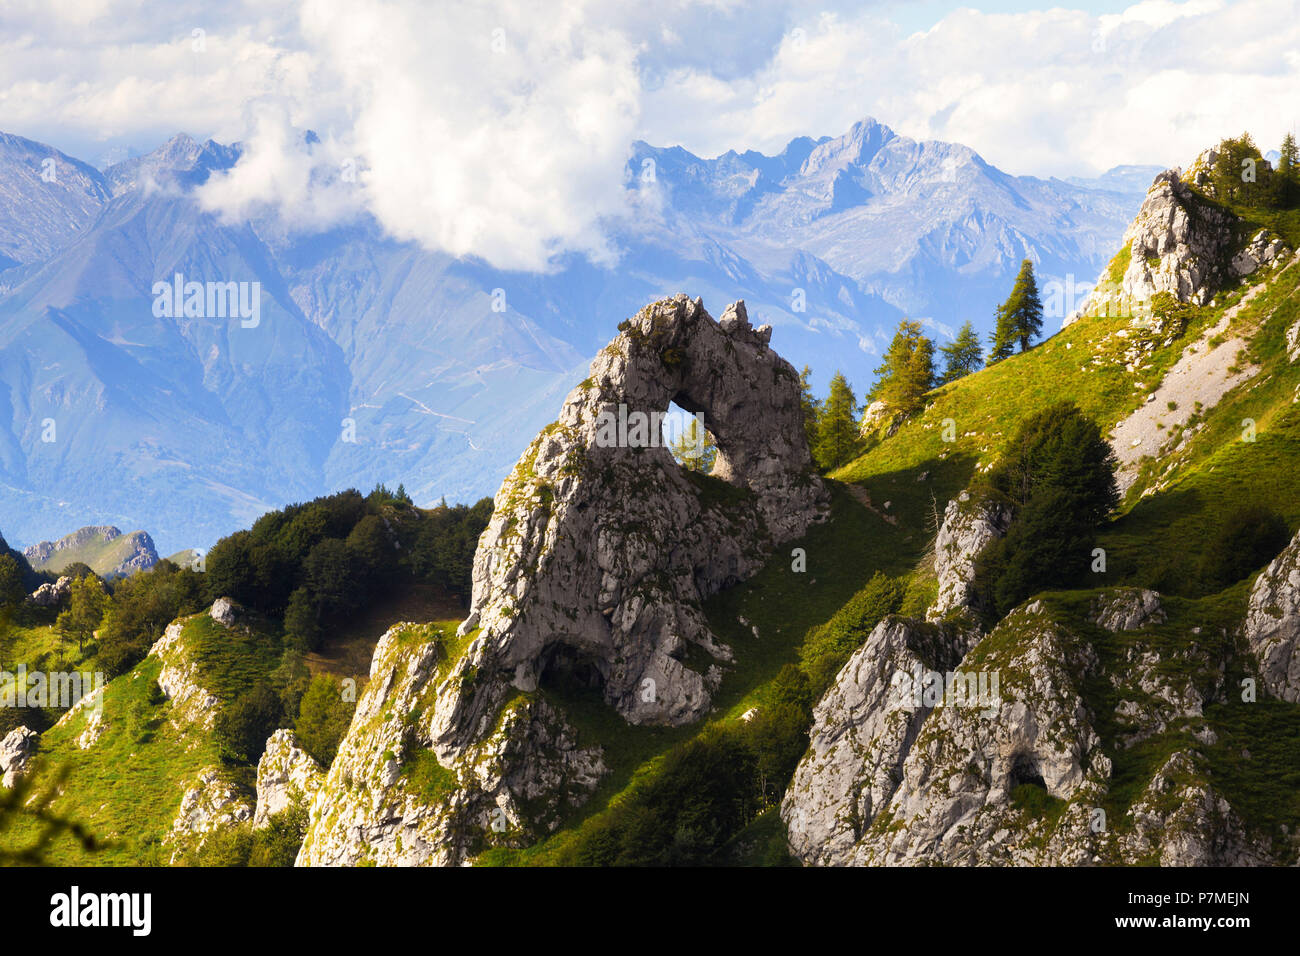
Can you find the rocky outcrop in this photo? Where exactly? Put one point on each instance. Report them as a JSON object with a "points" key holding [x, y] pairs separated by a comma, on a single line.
{"points": [[1013, 767], [285, 773], [1185, 245], [969, 525], [105, 549], [51, 595], [192, 703], [860, 738], [390, 800], [1272, 625], [601, 548], [592, 572], [879, 419], [16, 753], [212, 803], [1128, 609]]}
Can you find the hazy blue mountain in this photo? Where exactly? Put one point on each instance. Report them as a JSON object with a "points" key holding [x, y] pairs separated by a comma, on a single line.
{"points": [[380, 361], [46, 200]]}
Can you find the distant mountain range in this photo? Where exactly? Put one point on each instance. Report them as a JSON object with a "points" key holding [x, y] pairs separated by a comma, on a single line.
{"points": [[375, 360], [105, 550]]}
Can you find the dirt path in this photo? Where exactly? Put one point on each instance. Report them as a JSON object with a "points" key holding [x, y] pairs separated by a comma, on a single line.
{"points": [[860, 493]]}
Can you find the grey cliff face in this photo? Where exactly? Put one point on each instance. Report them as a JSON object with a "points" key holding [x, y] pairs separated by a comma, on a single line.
{"points": [[1182, 244], [894, 780], [284, 773], [388, 800], [969, 526], [1272, 625]]}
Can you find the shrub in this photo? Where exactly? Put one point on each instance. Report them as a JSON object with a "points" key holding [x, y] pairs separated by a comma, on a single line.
{"points": [[1058, 480], [1250, 537], [243, 725], [323, 719]]}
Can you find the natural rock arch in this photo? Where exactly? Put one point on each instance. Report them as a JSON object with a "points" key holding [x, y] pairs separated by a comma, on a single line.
{"points": [[608, 549]]}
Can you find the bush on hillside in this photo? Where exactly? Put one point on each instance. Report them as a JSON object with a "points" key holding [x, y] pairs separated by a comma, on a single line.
{"points": [[1249, 538], [1058, 479]]}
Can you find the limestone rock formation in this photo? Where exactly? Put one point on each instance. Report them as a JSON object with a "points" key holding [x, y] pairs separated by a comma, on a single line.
{"points": [[192, 703], [601, 548], [16, 752], [1127, 609], [1272, 625], [1183, 244], [1018, 772], [212, 803], [285, 773], [51, 595], [224, 611], [389, 800], [592, 572], [969, 525]]}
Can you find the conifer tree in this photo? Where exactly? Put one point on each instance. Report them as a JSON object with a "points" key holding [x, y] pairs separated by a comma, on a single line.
{"points": [[961, 356], [1020, 318], [694, 451], [838, 431], [811, 407], [1288, 173], [907, 372]]}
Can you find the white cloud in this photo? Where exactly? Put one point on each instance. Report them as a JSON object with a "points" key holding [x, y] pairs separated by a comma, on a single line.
{"points": [[501, 128]]}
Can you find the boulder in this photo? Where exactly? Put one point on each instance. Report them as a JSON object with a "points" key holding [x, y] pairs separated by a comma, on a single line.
{"points": [[286, 772], [969, 526], [224, 611], [1128, 609], [16, 752]]}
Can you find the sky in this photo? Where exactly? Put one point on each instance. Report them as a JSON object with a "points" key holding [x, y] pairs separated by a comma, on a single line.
{"points": [[501, 128]]}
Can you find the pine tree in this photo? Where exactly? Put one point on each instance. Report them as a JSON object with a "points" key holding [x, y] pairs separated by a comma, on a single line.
{"points": [[811, 407], [907, 372], [838, 440], [1288, 173], [1020, 318], [1240, 173], [693, 451], [961, 356], [1002, 341]]}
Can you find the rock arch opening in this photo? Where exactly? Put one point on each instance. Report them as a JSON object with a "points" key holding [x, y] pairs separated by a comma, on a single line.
{"points": [[1025, 771], [570, 671]]}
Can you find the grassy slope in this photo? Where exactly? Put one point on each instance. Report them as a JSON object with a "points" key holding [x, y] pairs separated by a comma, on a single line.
{"points": [[126, 788], [1174, 509], [915, 472]]}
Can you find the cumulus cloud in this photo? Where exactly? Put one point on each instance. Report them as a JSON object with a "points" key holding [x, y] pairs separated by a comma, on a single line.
{"points": [[501, 129]]}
